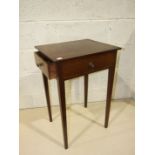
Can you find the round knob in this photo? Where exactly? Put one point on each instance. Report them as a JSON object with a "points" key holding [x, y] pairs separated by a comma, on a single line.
{"points": [[39, 65], [91, 64]]}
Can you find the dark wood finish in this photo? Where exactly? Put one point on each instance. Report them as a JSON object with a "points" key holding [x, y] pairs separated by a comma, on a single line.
{"points": [[76, 58], [85, 90], [45, 65], [87, 64], [47, 94], [111, 73], [62, 100], [74, 49], [76, 66]]}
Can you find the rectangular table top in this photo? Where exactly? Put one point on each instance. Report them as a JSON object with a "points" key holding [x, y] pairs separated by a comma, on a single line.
{"points": [[72, 49]]}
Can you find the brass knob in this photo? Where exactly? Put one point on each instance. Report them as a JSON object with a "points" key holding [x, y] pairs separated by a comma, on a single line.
{"points": [[91, 64]]}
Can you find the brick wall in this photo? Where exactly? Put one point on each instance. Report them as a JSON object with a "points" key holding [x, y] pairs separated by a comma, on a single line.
{"points": [[47, 21]]}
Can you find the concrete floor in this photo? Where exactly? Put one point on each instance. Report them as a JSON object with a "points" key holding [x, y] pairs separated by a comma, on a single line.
{"points": [[86, 132]]}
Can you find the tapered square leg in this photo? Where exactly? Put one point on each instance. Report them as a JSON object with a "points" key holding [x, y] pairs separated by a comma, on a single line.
{"points": [[111, 73], [46, 87], [61, 89], [85, 90]]}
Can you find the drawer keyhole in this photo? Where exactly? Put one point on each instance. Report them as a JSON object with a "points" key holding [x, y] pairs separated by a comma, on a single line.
{"points": [[91, 64]]}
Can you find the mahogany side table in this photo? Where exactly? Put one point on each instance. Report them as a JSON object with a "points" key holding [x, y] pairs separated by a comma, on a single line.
{"points": [[68, 60]]}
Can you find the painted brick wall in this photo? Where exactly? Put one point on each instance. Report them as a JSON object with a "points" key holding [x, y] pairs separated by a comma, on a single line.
{"points": [[47, 21]]}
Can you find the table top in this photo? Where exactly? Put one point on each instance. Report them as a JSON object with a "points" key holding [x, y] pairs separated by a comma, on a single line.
{"points": [[72, 49]]}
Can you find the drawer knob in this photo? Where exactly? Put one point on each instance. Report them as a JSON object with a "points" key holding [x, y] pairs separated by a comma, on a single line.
{"points": [[91, 64], [39, 65]]}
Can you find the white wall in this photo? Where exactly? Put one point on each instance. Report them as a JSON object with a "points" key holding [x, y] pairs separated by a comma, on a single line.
{"points": [[50, 21]]}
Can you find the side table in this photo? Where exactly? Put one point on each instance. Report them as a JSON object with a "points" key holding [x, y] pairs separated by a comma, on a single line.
{"points": [[68, 60]]}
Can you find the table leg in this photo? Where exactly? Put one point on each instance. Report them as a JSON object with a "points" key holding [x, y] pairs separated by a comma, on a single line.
{"points": [[85, 90], [46, 87], [61, 88], [111, 73]]}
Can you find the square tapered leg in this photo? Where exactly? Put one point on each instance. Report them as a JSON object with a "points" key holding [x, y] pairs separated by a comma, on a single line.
{"points": [[85, 90], [111, 73], [47, 94], [62, 100]]}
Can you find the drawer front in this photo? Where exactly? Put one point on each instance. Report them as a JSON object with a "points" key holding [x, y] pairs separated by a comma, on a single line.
{"points": [[47, 67], [88, 64]]}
